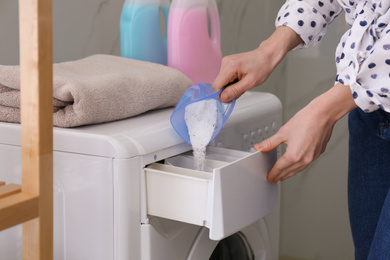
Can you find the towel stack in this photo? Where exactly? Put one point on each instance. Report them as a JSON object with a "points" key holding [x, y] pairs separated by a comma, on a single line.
{"points": [[98, 89]]}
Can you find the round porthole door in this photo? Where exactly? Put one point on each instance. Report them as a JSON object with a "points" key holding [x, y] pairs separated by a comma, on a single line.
{"points": [[251, 243], [233, 247]]}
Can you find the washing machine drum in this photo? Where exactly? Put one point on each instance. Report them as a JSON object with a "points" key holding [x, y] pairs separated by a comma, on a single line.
{"points": [[232, 248]]}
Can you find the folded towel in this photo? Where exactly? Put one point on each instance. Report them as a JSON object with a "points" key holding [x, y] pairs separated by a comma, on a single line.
{"points": [[97, 89]]}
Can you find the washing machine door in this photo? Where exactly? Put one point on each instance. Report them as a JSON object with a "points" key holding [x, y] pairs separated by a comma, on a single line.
{"points": [[251, 243]]}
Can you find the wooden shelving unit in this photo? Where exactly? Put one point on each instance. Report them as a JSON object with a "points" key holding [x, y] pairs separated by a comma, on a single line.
{"points": [[31, 203]]}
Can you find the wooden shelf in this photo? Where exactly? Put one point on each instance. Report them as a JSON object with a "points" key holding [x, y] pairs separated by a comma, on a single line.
{"points": [[16, 208], [9, 189]]}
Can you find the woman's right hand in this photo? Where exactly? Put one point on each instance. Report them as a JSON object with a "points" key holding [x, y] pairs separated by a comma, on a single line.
{"points": [[254, 67], [250, 68]]}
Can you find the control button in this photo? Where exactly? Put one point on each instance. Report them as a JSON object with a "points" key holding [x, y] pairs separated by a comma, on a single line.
{"points": [[266, 129], [273, 126], [220, 144], [253, 134], [260, 132], [246, 137]]}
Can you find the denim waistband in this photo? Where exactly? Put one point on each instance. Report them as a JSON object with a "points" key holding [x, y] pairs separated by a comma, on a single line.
{"points": [[377, 122], [384, 124]]}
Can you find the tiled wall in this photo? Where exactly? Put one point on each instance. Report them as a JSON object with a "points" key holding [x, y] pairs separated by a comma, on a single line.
{"points": [[314, 222]]}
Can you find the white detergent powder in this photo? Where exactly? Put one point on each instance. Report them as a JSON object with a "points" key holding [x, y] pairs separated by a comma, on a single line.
{"points": [[201, 119]]}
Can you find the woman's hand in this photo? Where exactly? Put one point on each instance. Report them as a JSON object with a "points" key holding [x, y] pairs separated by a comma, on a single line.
{"points": [[250, 68], [254, 67], [308, 132]]}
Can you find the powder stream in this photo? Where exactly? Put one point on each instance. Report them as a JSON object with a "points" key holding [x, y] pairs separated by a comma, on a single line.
{"points": [[201, 119]]}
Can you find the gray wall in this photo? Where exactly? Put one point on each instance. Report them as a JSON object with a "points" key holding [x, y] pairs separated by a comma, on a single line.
{"points": [[314, 216], [314, 221]]}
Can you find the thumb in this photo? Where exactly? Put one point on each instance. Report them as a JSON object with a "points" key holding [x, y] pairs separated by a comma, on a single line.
{"points": [[269, 144]]}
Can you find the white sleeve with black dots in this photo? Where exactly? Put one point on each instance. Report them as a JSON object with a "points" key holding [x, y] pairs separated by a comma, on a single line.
{"points": [[308, 18], [363, 54]]}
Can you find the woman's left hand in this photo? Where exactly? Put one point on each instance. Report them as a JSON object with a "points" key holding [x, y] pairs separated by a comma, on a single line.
{"points": [[307, 132]]}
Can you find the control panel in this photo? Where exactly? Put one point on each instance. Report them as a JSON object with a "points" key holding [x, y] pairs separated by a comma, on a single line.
{"points": [[245, 135]]}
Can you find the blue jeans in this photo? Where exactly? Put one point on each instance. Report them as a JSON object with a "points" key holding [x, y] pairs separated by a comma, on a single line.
{"points": [[369, 183]]}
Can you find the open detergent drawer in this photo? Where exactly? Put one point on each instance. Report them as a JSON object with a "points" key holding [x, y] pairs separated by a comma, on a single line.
{"points": [[229, 195]]}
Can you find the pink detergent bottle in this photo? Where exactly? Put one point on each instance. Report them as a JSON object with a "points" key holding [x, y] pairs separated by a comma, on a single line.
{"points": [[191, 48]]}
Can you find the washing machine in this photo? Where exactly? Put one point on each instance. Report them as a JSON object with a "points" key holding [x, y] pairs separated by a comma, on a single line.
{"points": [[127, 190]]}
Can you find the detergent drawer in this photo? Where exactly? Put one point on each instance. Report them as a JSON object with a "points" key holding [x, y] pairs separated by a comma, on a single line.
{"points": [[229, 195]]}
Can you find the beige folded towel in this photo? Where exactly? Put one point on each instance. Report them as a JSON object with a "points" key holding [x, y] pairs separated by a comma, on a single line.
{"points": [[97, 89]]}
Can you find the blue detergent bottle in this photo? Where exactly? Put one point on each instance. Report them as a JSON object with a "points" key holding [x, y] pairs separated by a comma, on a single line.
{"points": [[141, 31]]}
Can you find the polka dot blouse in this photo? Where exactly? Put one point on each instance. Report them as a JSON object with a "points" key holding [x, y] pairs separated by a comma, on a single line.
{"points": [[363, 54]]}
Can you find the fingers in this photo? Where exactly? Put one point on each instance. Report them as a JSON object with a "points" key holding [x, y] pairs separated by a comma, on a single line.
{"points": [[233, 73], [227, 74], [250, 68], [223, 79], [294, 160], [235, 90], [230, 92], [285, 168], [270, 144]]}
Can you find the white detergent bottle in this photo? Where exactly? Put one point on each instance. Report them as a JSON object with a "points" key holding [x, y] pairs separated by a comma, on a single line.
{"points": [[141, 33], [194, 39]]}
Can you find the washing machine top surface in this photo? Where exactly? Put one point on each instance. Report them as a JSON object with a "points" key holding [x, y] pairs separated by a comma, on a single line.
{"points": [[142, 134]]}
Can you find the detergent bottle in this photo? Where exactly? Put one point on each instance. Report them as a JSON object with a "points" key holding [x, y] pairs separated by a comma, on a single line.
{"points": [[194, 39], [141, 33]]}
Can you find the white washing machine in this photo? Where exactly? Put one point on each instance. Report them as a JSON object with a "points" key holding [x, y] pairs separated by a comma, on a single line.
{"points": [[125, 190]]}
